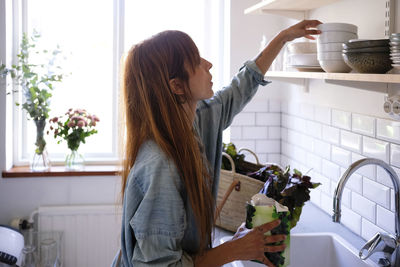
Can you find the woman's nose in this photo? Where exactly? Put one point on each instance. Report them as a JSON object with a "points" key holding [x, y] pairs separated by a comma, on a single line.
{"points": [[208, 64]]}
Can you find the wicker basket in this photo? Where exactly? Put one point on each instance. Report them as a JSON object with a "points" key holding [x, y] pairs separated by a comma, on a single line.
{"points": [[231, 204]]}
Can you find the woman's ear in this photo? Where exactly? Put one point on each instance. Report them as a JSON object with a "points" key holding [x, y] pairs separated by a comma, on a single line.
{"points": [[176, 86]]}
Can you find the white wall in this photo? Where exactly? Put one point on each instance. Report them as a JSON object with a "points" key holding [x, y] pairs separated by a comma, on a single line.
{"points": [[331, 125]]}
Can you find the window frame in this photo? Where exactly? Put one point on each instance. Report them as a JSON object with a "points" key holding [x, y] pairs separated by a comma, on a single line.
{"points": [[19, 122]]}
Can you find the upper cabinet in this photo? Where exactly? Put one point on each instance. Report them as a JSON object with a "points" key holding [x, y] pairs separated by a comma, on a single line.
{"points": [[295, 9]]}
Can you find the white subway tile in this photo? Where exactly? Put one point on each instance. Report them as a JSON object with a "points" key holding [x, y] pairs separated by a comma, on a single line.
{"points": [[322, 114], [376, 148], [249, 144], [257, 105], [274, 105], [314, 129], [286, 149], [363, 124], [284, 159], [300, 125], [346, 197], [293, 108], [368, 229], [351, 220], [383, 177], [284, 134], [244, 119], [341, 156], [299, 155], [315, 197], [388, 130], [322, 149], [330, 134], [326, 203], [341, 119], [325, 183], [376, 192], [274, 132], [385, 219], [284, 107], [306, 142], [314, 162], [290, 121], [367, 170], [236, 132], [395, 155], [350, 141], [285, 120], [293, 136], [268, 146], [307, 111], [363, 206], [268, 119], [274, 158], [254, 132], [330, 170]]}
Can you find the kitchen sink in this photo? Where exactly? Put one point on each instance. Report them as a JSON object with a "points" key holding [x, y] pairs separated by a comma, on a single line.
{"points": [[315, 249]]}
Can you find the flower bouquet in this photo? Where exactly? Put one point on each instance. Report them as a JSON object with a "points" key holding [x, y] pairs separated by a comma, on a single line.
{"points": [[74, 127]]}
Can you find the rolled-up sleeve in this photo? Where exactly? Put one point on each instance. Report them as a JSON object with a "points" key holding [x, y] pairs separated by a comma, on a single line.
{"points": [[159, 222]]}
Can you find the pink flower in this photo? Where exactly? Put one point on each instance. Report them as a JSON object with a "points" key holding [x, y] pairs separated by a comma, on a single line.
{"points": [[93, 123], [71, 124], [95, 118], [81, 123], [56, 132], [51, 128], [55, 119]]}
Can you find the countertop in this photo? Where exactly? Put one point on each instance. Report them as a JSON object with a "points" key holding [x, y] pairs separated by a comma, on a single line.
{"points": [[313, 220]]}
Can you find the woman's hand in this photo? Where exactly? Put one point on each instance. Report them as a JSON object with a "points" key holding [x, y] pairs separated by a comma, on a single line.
{"points": [[250, 244], [301, 29], [305, 28]]}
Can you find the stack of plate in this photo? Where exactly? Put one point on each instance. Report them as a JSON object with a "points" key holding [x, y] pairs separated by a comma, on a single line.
{"points": [[395, 50], [329, 45], [303, 56]]}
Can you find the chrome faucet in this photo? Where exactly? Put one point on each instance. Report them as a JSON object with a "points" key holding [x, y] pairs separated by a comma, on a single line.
{"points": [[381, 242]]}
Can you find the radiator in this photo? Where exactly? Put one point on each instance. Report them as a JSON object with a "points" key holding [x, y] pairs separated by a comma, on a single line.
{"points": [[91, 234]]}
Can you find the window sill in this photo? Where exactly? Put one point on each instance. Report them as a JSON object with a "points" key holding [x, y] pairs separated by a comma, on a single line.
{"points": [[61, 171]]}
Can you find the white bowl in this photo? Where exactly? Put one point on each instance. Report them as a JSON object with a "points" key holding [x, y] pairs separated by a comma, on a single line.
{"points": [[303, 59], [334, 66], [329, 47], [336, 37], [302, 47], [343, 27], [330, 55]]}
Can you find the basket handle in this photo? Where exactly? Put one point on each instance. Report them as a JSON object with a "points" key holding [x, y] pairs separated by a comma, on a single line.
{"points": [[251, 152], [234, 185], [224, 154]]}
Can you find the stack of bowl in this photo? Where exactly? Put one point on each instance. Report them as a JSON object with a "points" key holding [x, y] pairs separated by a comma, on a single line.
{"points": [[368, 56], [303, 56], [329, 45], [395, 50]]}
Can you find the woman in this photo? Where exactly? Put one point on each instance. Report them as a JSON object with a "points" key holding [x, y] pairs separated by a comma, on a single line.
{"points": [[173, 150]]}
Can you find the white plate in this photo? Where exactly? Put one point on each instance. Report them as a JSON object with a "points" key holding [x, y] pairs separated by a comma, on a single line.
{"points": [[312, 68]]}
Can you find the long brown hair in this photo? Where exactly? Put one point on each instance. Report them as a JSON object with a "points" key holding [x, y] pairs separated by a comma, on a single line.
{"points": [[153, 111]]}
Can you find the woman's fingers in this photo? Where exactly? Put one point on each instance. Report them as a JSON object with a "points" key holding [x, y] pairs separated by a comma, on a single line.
{"points": [[274, 248], [268, 239], [267, 226]]}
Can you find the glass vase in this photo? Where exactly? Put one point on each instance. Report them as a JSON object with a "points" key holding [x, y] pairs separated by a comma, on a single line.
{"points": [[40, 161], [74, 161]]}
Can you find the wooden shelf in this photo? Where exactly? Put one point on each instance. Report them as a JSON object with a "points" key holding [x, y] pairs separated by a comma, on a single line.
{"points": [[288, 8], [359, 77]]}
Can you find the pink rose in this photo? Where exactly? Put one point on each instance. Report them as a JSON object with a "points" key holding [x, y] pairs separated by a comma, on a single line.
{"points": [[95, 118], [71, 124], [55, 119]]}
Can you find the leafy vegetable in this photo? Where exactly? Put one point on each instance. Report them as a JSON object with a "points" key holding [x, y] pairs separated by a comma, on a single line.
{"points": [[290, 190]]}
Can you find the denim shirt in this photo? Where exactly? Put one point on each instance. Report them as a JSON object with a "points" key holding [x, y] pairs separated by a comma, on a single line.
{"points": [[158, 224]]}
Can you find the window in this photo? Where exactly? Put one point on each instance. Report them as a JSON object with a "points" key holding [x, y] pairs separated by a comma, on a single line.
{"points": [[93, 35]]}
